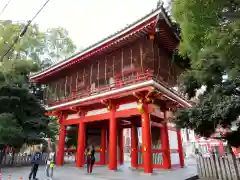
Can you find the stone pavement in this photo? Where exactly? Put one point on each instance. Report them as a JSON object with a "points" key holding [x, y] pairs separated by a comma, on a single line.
{"points": [[69, 172]]}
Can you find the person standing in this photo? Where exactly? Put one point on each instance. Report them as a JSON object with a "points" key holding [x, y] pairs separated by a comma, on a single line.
{"points": [[36, 160], [50, 164], [90, 158]]}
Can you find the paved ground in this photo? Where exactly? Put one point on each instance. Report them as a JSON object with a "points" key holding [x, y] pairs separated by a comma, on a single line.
{"points": [[69, 172]]}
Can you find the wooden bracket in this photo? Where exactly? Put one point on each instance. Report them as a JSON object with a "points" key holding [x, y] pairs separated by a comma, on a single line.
{"points": [[82, 112], [59, 115], [150, 93], [76, 109], [109, 103], [138, 95], [148, 98]]}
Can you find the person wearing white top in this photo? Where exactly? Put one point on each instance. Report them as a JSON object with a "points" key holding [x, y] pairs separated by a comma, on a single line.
{"points": [[50, 165]]}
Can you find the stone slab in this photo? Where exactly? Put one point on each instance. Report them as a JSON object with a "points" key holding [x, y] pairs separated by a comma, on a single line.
{"points": [[70, 172]]}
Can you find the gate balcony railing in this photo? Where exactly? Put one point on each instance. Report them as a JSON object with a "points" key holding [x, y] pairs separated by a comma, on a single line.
{"points": [[120, 81]]}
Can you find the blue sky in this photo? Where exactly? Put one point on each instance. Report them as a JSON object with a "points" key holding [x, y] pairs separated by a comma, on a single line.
{"points": [[87, 21]]}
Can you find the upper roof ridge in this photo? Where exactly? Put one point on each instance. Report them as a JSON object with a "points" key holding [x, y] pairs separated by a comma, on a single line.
{"points": [[159, 9]]}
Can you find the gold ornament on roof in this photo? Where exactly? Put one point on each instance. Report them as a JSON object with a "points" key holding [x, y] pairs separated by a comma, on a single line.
{"points": [[151, 36], [109, 107], [148, 100], [140, 107]]}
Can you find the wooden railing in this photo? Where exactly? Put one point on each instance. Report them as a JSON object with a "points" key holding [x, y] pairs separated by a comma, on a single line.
{"points": [[216, 167], [121, 80], [18, 159]]}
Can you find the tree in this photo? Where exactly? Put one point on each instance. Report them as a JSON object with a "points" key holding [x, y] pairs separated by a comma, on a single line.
{"points": [[42, 47], [210, 40], [72, 137], [61, 45], [22, 115], [25, 114], [11, 131], [53, 129]]}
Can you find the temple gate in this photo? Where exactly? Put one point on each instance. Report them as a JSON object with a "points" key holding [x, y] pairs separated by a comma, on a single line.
{"points": [[124, 81]]}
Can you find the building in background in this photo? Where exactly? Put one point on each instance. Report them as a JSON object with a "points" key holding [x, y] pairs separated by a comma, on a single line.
{"points": [[189, 142]]}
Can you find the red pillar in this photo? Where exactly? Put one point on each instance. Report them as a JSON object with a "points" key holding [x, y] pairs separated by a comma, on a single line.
{"points": [[209, 147], [121, 147], [165, 147], [134, 144], [180, 148], [221, 148], [146, 140], [61, 143], [80, 144], [103, 146], [85, 142], [235, 152], [113, 131]]}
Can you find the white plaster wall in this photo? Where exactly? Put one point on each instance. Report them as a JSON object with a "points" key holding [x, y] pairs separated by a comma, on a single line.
{"points": [[104, 110], [184, 137], [175, 158], [173, 142], [189, 149], [97, 112], [139, 130], [190, 133], [73, 116], [127, 106]]}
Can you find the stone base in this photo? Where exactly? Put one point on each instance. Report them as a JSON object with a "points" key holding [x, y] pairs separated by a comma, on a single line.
{"points": [[132, 168], [192, 178], [117, 170], [146, 174]]}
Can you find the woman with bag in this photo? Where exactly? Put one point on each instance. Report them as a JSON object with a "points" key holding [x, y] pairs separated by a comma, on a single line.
{"points": [[50, 164], [90, 158]]}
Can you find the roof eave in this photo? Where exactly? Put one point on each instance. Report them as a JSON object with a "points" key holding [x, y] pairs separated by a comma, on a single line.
{"points": [[157, 11]]}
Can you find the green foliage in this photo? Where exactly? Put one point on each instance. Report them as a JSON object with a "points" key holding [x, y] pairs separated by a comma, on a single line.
{"points": [[27, 114], [22, 116], [16, 71], [53, 129], [61, 45], [11, 131], [72, 137], [210, 33], [215, 109], [44, 48], [180, 61]]}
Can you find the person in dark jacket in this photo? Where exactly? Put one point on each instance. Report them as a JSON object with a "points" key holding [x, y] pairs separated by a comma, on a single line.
{"points": [[36, 160], [90, 158]]}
